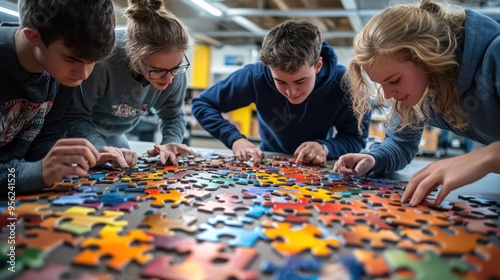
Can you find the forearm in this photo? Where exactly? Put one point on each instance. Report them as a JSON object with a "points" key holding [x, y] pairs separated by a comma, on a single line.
{"points": [[210, 118], [19, 177], [396, 151], [173, 129], [492, 157], [339, 146], [348, 139]]}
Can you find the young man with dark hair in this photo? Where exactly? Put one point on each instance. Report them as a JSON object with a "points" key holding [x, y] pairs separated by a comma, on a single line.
{"points": [[296, 88], [57, 43]]}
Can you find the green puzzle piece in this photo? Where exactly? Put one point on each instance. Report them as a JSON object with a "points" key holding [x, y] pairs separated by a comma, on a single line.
{"points": [[30, 257], [426, 266]]}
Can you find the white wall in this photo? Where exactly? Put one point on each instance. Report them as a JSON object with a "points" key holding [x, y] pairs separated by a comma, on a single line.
{"points": [[222, 60], [219, 69]]}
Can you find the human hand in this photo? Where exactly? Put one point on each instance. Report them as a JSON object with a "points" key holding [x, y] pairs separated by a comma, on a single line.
{"points": [[118, 157], [310, 152], [170, 151], [243, 149], [71, 156], [451, 173], [354, 165]]}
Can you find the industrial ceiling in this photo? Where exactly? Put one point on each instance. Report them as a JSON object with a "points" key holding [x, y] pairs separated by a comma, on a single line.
{"points": [[247, 21]]}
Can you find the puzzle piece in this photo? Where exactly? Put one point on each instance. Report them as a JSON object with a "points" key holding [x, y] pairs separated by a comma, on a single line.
{"points": [[242, 237], [57, 271], [466, 210], [373, 264], [299, 193], [356, 206], [46, 238], [427, 266], [290, 240], [159, 198], [158, 224], [482, 226], [485, 262], [50, 195], [360, 233], [229, 208], [410, 217], [205, 261], [440, 241], [294, 267], [81, 222], [349, 218], [299, 207], [78, 198], [27, 257], [229, 221], [120, 248]]}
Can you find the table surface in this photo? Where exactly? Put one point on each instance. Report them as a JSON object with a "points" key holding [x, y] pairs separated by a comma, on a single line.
{"points": [[168, 260], [487, 187]]}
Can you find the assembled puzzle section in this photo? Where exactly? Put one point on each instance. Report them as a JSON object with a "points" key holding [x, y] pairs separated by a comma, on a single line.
{"points": [[213, 217]]}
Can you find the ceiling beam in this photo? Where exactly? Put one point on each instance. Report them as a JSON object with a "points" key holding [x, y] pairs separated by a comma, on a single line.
{"points": [[354, 20], [491, 11], [228, 33]]}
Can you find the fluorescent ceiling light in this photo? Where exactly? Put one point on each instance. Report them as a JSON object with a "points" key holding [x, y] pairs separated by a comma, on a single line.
{"points": [[208, 7], [10, 12]]}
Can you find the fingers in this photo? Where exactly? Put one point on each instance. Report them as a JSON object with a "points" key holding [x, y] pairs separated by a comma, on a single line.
{"points": [[70, 142], [169, 156], [72, 156], [153, 152], [257, 155], [129, 156], [119, 157], [421, 188], [183, 149], [445, 190], [299, 160], [74, 147], [414, 183], [243, 155]]}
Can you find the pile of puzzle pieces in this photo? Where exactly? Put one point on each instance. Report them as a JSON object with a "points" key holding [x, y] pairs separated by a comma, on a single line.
{"points": [[212, 217]]}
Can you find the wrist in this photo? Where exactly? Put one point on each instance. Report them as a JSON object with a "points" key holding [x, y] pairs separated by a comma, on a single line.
{"points": [[325, 148], [238, 138]]}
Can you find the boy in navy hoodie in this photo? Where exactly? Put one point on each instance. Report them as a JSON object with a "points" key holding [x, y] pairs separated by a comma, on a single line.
{"points": [[57, 42], [296, 87]]}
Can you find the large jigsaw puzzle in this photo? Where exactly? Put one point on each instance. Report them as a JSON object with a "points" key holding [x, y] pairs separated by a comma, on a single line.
{"points": [[213, 217]]}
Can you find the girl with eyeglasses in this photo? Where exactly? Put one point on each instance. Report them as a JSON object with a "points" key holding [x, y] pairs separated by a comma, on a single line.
{"points": [[146, 72]]}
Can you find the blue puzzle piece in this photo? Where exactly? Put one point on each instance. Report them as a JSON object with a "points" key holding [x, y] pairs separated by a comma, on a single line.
{"points": [[258, 210], [229, 221], [97, 176], [294, 268], [242, 237], [94, 189], [351, 264], [76, 199], [116, 198]]}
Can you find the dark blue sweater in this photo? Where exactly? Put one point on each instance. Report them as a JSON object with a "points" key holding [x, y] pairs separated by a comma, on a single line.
{"points": [[282, 125], [27, 129]]}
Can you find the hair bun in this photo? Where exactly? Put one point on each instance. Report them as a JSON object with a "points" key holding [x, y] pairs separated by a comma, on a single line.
{"points": [[138, 9], [152, 5]]}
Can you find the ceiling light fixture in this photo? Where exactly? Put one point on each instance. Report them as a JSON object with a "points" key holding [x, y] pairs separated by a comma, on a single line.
{"points": [[10, 12], [207, 7]]}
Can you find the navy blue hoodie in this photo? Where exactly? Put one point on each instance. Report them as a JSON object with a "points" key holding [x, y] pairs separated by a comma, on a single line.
{"points": [[284, 126]]}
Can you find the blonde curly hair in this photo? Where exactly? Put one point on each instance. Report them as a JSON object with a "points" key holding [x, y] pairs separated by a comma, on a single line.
{"points": [[429, 34]]}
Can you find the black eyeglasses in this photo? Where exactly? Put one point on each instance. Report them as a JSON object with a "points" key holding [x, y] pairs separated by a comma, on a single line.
{"points": [[157, 74]]}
